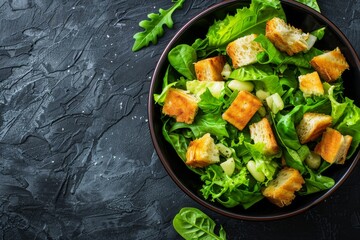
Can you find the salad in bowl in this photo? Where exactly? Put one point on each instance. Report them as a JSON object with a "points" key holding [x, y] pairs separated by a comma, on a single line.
{"points": [[256, 107]]}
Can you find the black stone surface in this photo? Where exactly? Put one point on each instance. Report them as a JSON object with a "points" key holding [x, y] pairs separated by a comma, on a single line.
{"points": [[76, 159]]}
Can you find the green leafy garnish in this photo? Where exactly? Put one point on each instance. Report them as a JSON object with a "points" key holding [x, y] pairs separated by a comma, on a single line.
{"points": [[154, 26], [191, 223], [311, 3], [245, 21]]}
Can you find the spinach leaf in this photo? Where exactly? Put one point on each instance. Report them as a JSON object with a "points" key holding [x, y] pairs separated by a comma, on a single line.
{"points": [[191, 223], [168, 82], [178, 141], [204, 123], [315, 182], [153, 28], [272, 55], [182, 58]]}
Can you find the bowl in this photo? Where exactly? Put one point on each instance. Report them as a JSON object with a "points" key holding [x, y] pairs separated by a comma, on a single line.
{"points": [[299, 15]]}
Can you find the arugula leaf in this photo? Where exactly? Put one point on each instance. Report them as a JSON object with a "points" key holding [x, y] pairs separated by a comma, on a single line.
{"points": [[209, 103], [191, 223], [182, 58], [153, 28]]}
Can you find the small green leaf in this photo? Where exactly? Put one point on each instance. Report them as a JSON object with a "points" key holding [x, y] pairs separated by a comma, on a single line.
{"points": [[153, 28], [311, 3], [191, 223]]}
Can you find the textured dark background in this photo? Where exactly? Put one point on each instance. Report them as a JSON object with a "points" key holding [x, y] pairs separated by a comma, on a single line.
{"points": [[76, 159]]}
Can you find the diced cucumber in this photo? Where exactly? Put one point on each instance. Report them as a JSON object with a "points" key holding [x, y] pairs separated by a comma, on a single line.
{"points": [[251, 166], [313, 160], [275, 103], [241, 86], [224, 150], [262, 95], [225, 73], [228, 166]]}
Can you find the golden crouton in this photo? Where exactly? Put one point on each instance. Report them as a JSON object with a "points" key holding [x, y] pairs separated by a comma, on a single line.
{"points": [[242, 109], [330, 65], [333, 146], [281, 190], [243, 50], [261, 132], [286, 37], [180, 105], [202, 152], [210, 69], [310, 84], [312, 125]]}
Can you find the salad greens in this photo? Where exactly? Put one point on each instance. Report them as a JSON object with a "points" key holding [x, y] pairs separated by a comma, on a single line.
{"points": [[274, 73], [153, 28], [191, 223]]}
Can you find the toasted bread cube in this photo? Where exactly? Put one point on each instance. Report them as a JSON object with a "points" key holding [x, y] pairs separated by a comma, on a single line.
{"points": [[210, 69], [330, 65], [281, 190], [243, 50], [180, 105], [261, 132], [310, 84], [312, 125], [242, 109], [333, 146], [202, 152], [286, 37]]}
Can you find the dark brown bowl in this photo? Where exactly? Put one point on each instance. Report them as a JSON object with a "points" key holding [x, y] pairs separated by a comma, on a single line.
{"points": [[302, 17]]}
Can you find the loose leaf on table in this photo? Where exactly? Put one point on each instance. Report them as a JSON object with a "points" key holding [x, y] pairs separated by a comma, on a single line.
{"points": [[153, 28], [191, 223]]}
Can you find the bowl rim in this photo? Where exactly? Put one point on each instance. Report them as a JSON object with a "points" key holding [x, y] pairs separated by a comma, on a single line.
{"points": [[151, 105]]}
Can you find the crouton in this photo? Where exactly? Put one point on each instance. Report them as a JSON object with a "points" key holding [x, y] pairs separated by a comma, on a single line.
{"points": [[281, 190], [180, 105], [210, 69], [286, 37], [261, 132], [312, 125], [330, 65], [333, 146], [242, 109], [310, 84], [243, 50], [202, 152]]}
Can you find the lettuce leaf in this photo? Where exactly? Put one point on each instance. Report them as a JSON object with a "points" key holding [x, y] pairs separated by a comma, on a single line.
{"points": [[229, 191], [262, 75], [247, 20]]}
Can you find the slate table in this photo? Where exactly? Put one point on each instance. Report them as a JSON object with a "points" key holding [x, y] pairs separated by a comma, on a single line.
{"points": [[76, 158]]}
